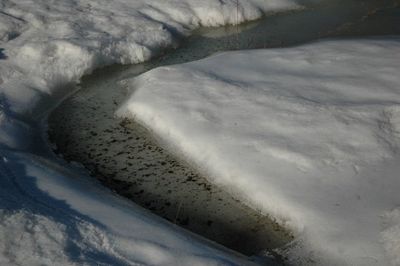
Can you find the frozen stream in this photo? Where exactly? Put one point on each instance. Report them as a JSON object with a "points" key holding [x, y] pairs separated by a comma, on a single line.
{"points": [[130, 160]]}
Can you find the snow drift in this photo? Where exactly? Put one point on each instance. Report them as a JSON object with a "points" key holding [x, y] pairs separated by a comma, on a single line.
{"points": [[308, 134]]}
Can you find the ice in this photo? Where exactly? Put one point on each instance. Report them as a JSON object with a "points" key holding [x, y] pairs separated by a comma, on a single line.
{"points": [[309, 134]]}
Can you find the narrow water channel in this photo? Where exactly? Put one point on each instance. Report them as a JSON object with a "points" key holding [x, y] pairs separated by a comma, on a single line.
{"points": [[127, 158]]}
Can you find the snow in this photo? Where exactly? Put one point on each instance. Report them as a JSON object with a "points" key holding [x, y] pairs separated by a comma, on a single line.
{"points": [[49, 212], [64, 222], [48, 44], [309, 134]]}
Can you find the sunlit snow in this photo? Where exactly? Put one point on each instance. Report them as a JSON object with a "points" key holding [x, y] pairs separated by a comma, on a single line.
{"points": [[309, 134]]}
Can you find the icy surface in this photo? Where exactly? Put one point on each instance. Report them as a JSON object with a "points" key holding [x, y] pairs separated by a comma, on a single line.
{"points": [[49, 214], [308, 134]]}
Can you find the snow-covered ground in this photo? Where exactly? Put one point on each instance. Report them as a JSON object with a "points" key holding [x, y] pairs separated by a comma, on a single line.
{"points": [[51, 214], [50, 43], [309, 134]]}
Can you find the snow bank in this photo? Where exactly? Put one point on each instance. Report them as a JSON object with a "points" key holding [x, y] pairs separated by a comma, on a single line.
{"points": [[308, 134], [47, 215], [48, 45]]}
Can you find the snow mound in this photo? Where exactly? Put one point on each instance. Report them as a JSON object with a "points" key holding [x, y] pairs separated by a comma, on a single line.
{"points": [[307, 134]]}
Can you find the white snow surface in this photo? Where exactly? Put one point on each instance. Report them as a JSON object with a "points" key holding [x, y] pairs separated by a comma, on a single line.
{"points": [[309, 134], [50, 214], [50, 43]]}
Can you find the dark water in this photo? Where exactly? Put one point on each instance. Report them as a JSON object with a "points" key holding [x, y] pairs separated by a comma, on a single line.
{"points": [[128, 159]]}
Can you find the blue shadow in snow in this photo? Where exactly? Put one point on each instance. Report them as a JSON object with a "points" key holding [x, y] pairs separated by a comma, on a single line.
{"points": [[3, 56], [19, 192]]}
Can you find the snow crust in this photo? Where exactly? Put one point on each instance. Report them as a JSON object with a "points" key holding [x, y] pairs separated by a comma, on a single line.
{"points": [[308, 134], [49, 214]]}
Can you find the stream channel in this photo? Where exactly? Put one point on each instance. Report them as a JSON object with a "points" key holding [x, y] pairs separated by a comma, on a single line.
{"points": [[127, 158]]}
